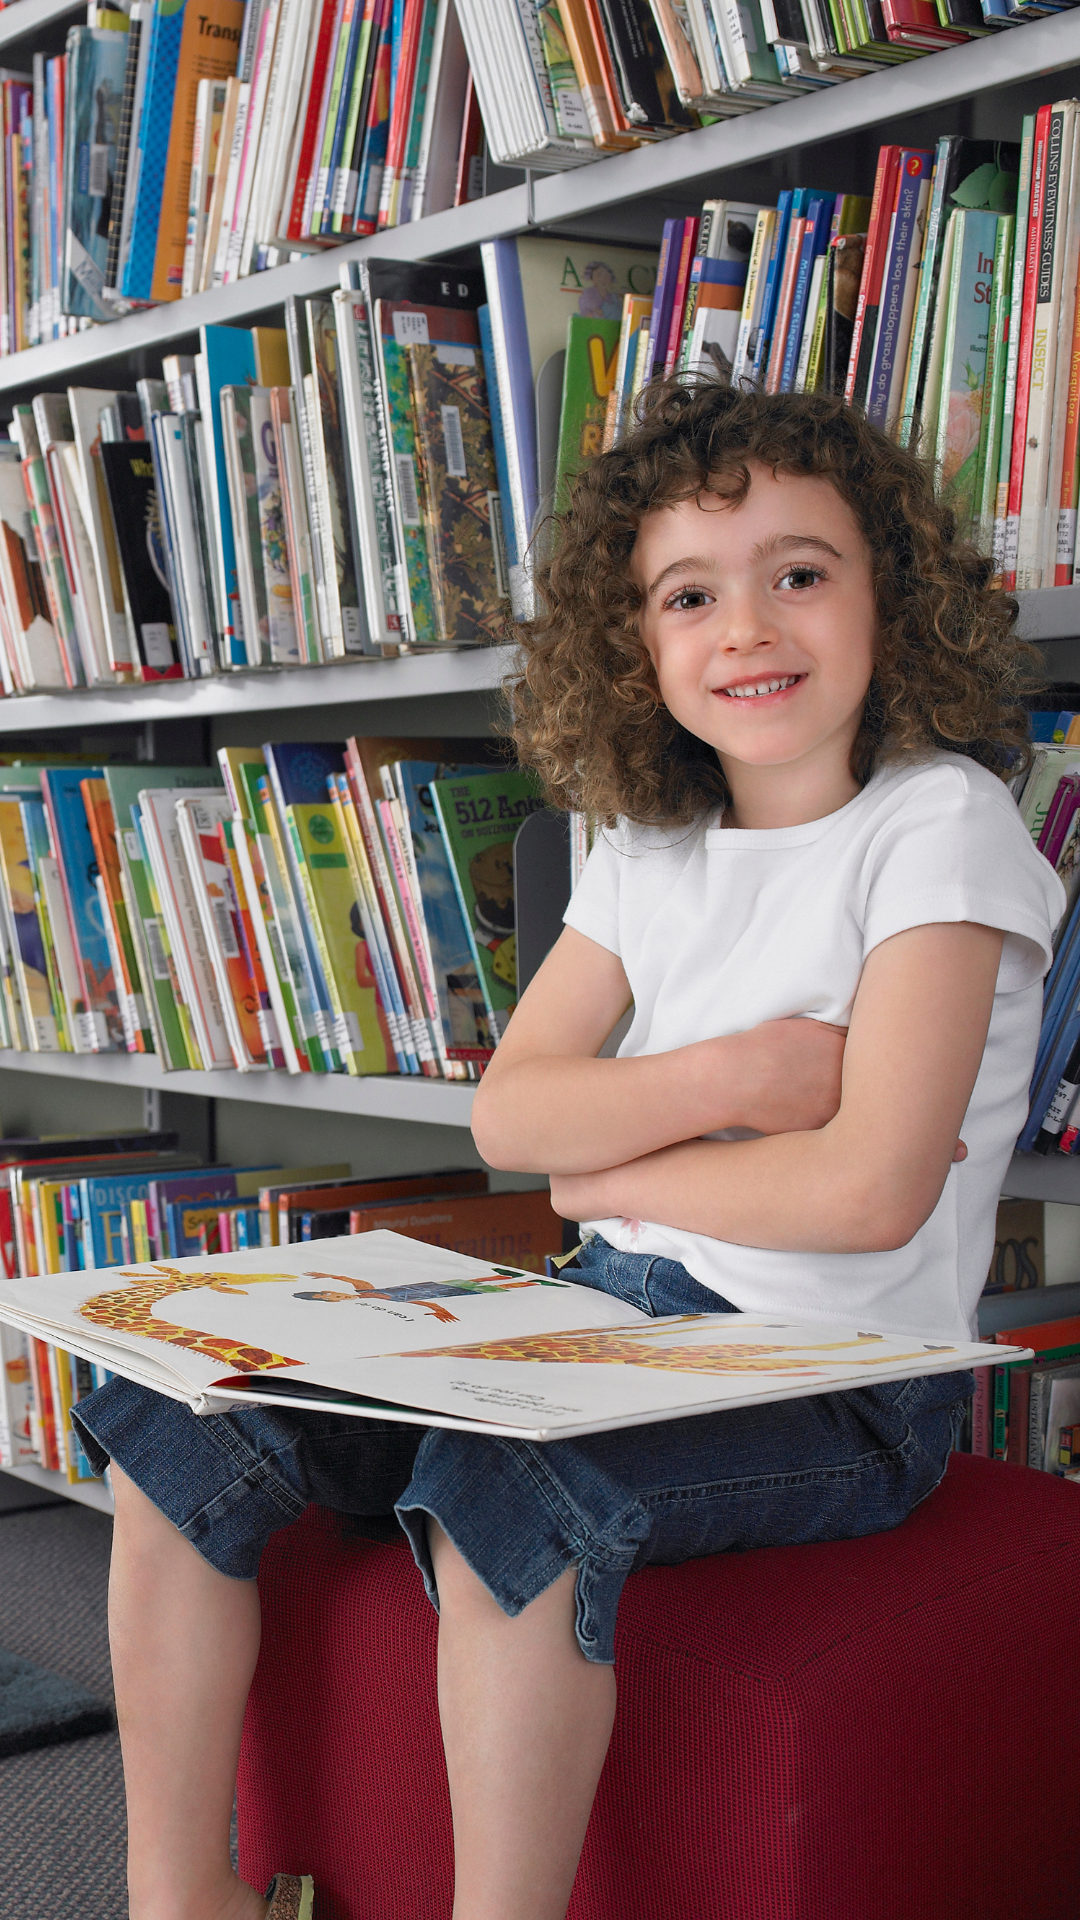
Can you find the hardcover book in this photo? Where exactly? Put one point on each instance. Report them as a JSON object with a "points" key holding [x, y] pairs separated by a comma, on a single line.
{"points": [[456, 469], [474, 1344], [479, 818]]}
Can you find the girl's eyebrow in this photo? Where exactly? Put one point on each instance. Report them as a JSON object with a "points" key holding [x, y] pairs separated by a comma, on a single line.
{"points": [[691, 563], [778, 541]]}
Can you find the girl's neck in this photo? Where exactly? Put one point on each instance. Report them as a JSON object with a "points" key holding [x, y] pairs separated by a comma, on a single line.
{"points": [[787, 796]]}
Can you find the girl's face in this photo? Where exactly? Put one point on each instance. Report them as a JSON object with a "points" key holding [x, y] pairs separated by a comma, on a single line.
{"points": [[760, 622]]}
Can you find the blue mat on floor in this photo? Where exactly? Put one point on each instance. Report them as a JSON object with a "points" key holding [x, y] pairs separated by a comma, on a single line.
{"points": [[39, 1708]]}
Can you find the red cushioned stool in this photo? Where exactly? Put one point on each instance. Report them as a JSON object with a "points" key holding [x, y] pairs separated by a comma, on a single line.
{"points": [[879, 1729]]}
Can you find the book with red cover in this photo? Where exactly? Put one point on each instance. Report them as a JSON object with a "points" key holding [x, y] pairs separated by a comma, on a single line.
{"points": [[274, 1200], [1027, 333], [520, 1229], [691, 228], [886, 183]]}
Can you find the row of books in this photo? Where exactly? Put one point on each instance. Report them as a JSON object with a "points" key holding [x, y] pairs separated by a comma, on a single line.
{"points": [[304, 908], [1022, 1410], [285, 497], [74, 1205], [574, 79], [171, 149], [946, 307]]}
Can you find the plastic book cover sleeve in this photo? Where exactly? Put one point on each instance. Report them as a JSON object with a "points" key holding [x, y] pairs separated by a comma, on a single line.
{"points": [[31, 963], [302, 772], [466, 1029], [964, 374], [78, 862], [97, 60], [479, 818], [457, 472], [129, 480]]}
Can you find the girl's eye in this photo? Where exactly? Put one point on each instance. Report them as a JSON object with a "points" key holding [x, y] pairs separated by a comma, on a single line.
{"points": [[800, 577], [687, 600]]}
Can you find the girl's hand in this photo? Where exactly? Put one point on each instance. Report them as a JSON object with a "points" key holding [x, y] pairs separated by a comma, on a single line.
{"points": [[793, 1072]]}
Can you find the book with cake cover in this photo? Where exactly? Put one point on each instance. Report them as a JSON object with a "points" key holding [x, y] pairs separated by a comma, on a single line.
{"points": [[479, 818], [378, 1325]]}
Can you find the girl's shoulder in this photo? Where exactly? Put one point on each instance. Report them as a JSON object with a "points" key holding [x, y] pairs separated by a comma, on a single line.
{"points": [[949, 782]]}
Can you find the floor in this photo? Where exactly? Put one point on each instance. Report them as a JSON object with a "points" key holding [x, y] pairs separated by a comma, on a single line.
{"points": [[61, 1808]]}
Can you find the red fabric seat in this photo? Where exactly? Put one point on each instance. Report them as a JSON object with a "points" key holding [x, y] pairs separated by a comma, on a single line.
{"points": [[878, 1729]]}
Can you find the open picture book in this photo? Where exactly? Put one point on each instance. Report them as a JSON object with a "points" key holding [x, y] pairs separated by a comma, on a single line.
{"points": [[381, 1326]]}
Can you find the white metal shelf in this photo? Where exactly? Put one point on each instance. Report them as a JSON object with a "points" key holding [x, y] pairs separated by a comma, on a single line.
{"points": [[88, 1493], [26, 17], [1038, 1176], [937, 80], [382, 1097], [473, 670]]}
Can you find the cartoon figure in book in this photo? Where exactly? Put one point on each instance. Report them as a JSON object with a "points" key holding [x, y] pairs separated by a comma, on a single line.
{"points": [[492, 874], [630, 1347], [502, 1280], [600, 298]]}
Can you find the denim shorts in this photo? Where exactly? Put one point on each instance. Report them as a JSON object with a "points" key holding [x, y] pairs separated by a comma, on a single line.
{"points": [[828, 1467]]}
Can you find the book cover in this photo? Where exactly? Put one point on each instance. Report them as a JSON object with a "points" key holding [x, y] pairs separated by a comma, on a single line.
{"points": [[478, 819], [198, 821], [123, 785], [239, 447], [31, 967], [301, 773], [466, 1030], [129, 482], [227, 358], [281, 627], [206, 41], [456, 470], [592, 348], [176, 890], [898, 288], [344, 618], [815, 239], [520, 1229], [964, 373], [26, 605], [99, 1011], [284, 935], [712, 344], [466, 1334], [102, 824], [97, 62]]}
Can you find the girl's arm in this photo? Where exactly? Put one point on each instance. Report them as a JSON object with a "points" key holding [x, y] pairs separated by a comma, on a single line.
{"points": [[547, 1105], [869, 1178]]}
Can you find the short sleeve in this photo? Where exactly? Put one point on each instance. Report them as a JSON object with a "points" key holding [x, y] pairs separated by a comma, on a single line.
{"points": [[594, 903], [967, 857]]}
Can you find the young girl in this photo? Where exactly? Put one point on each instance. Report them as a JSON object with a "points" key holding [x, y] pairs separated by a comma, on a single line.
{"points": [[768, 667]]}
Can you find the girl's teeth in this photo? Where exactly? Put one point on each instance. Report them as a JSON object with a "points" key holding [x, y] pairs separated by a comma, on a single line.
{"points": [[763, 686]]}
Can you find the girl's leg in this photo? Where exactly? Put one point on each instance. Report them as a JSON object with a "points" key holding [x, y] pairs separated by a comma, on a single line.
{"points": [[526, 1721], [185, 1640]]}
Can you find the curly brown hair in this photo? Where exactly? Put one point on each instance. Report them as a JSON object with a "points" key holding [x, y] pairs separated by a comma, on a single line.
{"points": [[585, 707]]}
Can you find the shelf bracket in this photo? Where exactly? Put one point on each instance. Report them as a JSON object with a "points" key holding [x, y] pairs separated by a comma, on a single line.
{"points": [[152, 1109], [530, 198]]}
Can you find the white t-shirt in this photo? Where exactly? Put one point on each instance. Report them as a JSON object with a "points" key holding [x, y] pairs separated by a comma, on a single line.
{"points": [[719, 929]]}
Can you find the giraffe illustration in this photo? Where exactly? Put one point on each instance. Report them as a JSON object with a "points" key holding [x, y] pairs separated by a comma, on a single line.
{"points": [[630, 1347], [130, 1310]]}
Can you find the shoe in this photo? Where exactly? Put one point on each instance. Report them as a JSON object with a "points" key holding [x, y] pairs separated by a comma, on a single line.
{"points": [[291, 1897]]}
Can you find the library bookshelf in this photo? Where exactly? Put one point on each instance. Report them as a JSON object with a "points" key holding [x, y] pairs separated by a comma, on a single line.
{"points": [[829, 138]]}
